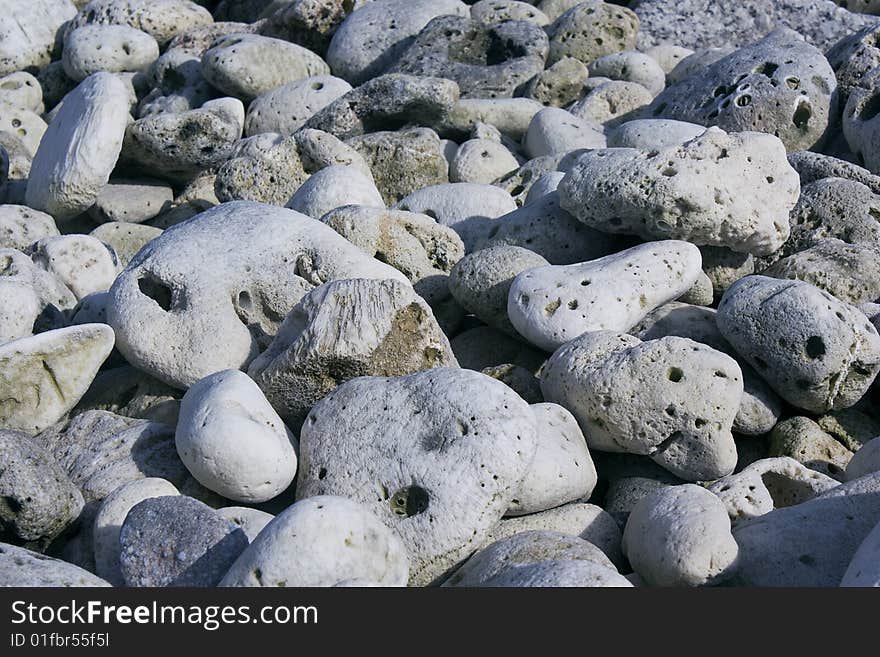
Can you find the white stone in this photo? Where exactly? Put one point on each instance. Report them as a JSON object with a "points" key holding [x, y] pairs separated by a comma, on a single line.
{"points": [[285, 109], [551, 305], [232, 441], [481, 161], [321, 541], [865, 461], [333, 187], [83, 263], [80, 148], [555, 130], [680, 536], [112, 48], [251, 521], [28, 31]]}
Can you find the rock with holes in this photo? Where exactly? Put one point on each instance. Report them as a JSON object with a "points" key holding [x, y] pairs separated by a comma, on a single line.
{"points": [[322, 541], [462, 442], [495, 11], [388, 102], [559, 85], [611, 102], [563, 469], [834, 208], [212, 309], [648, 134], [471, 210], [851, 272], [414, 244], [672, 399], [178, 145], [481, 281], [760, 407], [19, 271], [333, 187], [497, 564], [110, 516], [29, 32], [80, 148], [248, 65], [863, 570], [112, 48], [486, 60], [250, 520], [820, 21], [285, 109], [860, 124], [865, 461], [177, 541], [163, 19], [126, 239], [131, 200], [780, 85], [854, 59], [588, 521], [803, 440], [403, 161], [44, 376], [543, 227], [555, 130], [37, 499], [592, 29], [481, 161], [510, 116], [83, 263], [816, 166], [733, 190], [21, 307], [21, 129], [810, 544], [680, 536], [769, 484], [22, 567], [815, 351], [23, 90], [374, 36], [554, 304], [343, 330], [310, 23], [232, 440]]}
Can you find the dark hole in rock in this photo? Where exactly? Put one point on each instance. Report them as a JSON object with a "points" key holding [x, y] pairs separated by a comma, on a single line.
{"points": [[802, 115], [815, 347], [409, 501], [156, 290], [675, 374]]}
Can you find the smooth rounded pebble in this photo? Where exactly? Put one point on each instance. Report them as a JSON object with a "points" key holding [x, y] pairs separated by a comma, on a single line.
{"points": [[232, 440], [321, 541], [680, 536]]}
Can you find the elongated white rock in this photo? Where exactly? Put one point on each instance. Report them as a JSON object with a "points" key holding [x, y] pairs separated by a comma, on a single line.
{"points": [[80, 147], [551, 305], [232, 441]]}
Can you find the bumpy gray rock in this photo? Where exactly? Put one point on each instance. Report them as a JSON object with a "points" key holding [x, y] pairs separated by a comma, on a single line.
{"points": [[480, 282], [672, 399], [247, 65], [821, 21], [817, 352], [286, 108], [112, 48], [720, 189], [487, 61], [388, 102], [374, 36], [170, 286], [780, 85], [37, 499], [445, 490], [343, 330], [163, 19], [592, 29], [21, 567], [803, 440], [177, 541]]}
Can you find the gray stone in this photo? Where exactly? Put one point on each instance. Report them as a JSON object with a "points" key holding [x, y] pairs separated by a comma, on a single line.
{"points": [[285, 109], [803, 440], [592, 29], [20, 567], [163, 19], [487, 61], [37, 499], [177, 541]]}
